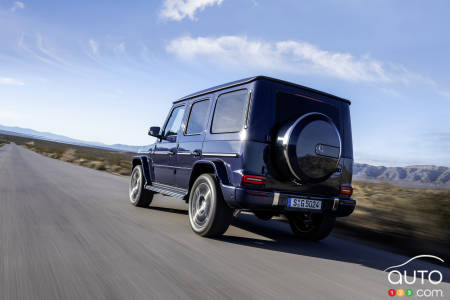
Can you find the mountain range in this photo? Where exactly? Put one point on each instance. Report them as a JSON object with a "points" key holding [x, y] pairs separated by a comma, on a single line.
{"points": [[48, 136], [421, 176]]}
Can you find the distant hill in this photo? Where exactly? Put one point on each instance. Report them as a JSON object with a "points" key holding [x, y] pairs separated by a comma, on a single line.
{"points": [[48, 136], [411, 176]]}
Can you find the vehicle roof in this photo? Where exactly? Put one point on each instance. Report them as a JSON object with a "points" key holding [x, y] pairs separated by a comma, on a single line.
{"points": [[250, 79]]}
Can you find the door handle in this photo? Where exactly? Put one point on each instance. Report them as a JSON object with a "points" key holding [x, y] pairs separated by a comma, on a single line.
{"points": [[196, 153]]}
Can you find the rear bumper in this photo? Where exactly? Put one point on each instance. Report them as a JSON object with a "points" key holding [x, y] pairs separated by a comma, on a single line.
{"points": [[243, 198]]}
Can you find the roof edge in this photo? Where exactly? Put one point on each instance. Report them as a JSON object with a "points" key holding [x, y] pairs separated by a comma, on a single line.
{"points": [[250, 79]]}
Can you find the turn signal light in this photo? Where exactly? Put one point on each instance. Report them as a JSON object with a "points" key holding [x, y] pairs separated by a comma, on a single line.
{"points": [[346, 190], [254, 179]]}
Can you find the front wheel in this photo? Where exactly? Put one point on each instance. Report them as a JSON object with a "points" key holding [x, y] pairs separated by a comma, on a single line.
{"points": [[139, 196], [313, 227], [209, 215]]}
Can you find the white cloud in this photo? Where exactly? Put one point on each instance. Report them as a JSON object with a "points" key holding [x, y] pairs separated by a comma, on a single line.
{"points": [[119, 49], [179, 9], [392, 92], [296, 57], [49, 52], [94, 46], [10, 81], [38, 49], [444, 93], [17, 5], [24, 47]]}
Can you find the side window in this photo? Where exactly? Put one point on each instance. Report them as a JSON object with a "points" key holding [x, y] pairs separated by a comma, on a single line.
{"points": [[230, 112], [197, 117], [174, 122]]}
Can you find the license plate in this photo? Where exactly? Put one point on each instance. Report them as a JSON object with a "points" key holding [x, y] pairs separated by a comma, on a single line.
{"points": [[304, 203]]}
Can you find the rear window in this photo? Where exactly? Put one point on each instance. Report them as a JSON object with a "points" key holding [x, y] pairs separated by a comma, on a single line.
{"points": [[230, 112], [290, 106]]}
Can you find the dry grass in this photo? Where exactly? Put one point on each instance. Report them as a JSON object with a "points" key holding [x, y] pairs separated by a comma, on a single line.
{"points": [[408, 212], [3, 140], [99, 159]]}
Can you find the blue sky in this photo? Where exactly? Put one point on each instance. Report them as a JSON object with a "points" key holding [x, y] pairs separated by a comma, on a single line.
{"points": [[107, 70]]}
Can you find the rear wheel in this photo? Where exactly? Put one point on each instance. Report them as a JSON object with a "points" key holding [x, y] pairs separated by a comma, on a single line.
{"points": [[139, 196], [313, 227], [209, 215]]}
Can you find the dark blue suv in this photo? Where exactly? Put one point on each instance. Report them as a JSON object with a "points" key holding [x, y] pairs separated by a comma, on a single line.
{"points": [[259, 144]]}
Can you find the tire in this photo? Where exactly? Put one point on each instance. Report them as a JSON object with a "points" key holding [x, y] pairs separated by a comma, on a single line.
{"points": [[209, 215], [308, 150], [139, 196], [312, 227]]}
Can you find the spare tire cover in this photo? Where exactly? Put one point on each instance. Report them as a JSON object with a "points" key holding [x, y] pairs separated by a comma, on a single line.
{"points": [[309, 148]]}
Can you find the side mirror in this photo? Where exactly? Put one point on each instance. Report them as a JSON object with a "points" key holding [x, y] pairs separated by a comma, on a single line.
{"points": [[154, 131]]}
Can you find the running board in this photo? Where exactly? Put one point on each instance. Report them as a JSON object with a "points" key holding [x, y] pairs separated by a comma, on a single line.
{"points": [[166, 190]]}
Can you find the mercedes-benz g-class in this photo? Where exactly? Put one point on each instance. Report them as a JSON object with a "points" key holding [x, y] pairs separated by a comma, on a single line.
{"points": [[259, 144]]}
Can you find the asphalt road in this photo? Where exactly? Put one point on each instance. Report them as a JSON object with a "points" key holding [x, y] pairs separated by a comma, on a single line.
{"points": [[68, 232]]}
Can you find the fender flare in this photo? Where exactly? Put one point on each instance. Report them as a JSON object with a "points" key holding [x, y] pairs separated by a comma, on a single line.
{"points": [[146, 167], [219, 169], [222, 174]]}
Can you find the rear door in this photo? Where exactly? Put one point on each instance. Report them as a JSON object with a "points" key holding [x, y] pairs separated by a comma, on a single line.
{"points": [[191, 140], [290, 104], [164, 155]]}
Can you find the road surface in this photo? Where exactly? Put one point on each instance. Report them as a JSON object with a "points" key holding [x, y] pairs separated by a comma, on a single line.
{"points": [[68, 232]]}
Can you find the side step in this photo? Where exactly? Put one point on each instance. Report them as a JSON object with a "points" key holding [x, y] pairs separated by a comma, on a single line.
{"points": [[167, 190]]}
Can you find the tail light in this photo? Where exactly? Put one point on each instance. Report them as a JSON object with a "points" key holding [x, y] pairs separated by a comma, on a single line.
{"points": [[346, 190], [252, 179]]}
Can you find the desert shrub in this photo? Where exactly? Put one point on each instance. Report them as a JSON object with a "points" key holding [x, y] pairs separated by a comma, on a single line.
{"points": [[418, 213]]}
